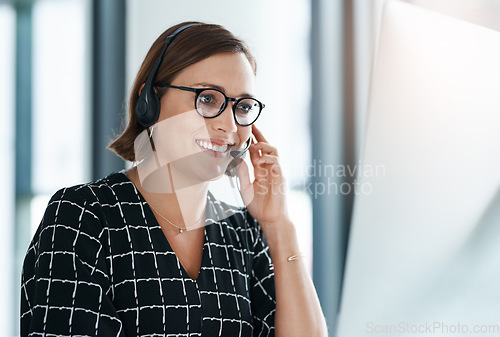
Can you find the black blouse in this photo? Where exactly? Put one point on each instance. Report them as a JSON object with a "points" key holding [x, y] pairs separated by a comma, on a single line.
{"points": [[100, 265]]}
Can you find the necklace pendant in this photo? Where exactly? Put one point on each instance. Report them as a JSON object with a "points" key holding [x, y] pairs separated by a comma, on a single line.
{"points": [[180, 230]]}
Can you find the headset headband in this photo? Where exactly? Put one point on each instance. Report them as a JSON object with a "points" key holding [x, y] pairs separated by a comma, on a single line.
{"points": [[147, 108]]}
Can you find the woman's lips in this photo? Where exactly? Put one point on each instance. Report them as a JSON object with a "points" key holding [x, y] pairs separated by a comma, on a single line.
{"points": [[216, 150]]}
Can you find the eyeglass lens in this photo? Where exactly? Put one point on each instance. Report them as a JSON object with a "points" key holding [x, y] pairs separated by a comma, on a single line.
{"points": [[210, 102]]}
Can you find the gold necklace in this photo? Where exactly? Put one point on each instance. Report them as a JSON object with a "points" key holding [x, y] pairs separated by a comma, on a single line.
{"points": [[181, 229]]}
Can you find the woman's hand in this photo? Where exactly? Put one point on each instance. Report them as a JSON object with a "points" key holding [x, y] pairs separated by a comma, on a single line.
{"points": [[298, 311], [265, 196]]}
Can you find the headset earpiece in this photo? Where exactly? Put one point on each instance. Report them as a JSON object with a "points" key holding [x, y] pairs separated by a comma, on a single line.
{"points": [[147, 108]]}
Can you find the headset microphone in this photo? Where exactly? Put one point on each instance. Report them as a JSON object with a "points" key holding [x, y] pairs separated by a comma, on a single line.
{"points": [[147, 108], [239, 153]]}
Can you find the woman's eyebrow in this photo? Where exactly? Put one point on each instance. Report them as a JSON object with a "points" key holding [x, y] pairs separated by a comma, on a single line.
{"points": [[218, 87], [209, 85]]}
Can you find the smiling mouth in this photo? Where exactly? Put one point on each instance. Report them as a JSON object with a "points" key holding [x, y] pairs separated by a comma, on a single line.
{"points": [[216, 148]]}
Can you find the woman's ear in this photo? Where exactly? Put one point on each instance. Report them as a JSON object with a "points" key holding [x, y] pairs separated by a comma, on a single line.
{"points": [[140, 89]]}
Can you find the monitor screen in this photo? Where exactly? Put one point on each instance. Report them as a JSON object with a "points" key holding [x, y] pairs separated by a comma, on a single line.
{"points": [[424, 249]]}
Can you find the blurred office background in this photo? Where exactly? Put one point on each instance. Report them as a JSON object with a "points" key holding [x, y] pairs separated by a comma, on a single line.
{"points": [[66, 67]]}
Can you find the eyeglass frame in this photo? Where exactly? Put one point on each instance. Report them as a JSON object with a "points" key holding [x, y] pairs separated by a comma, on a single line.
{"points": [[198, 91]]}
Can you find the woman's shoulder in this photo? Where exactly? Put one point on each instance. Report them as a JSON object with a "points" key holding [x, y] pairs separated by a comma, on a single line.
{"points": [[69, 206], [115, 186]]}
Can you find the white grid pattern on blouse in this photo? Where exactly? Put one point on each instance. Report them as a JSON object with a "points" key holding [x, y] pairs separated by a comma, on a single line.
{"points": [[76, 280]]}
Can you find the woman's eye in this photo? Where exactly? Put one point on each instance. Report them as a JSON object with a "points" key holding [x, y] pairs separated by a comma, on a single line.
{"points": [[244, 108], [207, 99]]}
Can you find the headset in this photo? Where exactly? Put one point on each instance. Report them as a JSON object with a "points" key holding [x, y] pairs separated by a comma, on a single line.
{"points": [[240, 152], [147, 108]]}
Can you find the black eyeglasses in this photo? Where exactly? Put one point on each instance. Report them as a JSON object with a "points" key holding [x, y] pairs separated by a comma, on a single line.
{"points": [[210, 103]]}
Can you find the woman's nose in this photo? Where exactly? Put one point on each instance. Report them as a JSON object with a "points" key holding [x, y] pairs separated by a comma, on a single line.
{"points": [[225, 121]]}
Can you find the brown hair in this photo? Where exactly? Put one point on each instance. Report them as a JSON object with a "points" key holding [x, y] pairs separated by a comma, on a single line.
{"points": [[192, 45]]}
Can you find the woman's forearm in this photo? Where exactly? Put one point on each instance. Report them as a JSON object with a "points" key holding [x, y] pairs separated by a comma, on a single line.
{"points": [[298, 311]]}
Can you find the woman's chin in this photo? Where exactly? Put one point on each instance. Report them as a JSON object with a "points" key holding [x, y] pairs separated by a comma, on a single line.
{"points": [[215, 173], [209, 170]]}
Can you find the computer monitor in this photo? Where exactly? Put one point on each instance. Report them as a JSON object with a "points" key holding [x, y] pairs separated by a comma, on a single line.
{"points": [[424, 248]]}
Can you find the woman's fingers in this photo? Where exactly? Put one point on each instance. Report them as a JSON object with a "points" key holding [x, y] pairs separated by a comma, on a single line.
{"points": [[254, 153], [264, 157], [264, 148], [267, 167], [267, 159], [247, 191]]}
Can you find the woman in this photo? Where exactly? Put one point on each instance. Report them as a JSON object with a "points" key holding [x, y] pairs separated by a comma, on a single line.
{"points": [[130, 254]]}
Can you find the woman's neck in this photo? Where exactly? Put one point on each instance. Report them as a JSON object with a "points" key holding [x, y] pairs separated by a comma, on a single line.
{"points": [[184, 206]]}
